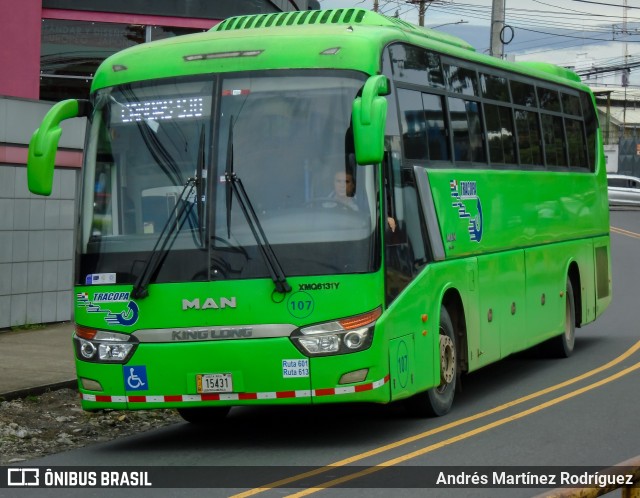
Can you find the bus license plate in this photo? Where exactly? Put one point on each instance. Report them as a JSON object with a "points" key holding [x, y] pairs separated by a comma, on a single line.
{"points": [[214, 383]]}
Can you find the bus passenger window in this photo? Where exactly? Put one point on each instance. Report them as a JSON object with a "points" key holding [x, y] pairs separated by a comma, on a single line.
{"points": [[436, 129], [549, 99], [500, 134], [523, 94], [494, 88], [576, 144], [591, 125], [528, 137], [414, 125], [416, 65], [468, 143], [461, 80], [570, 104], [553, 140]]}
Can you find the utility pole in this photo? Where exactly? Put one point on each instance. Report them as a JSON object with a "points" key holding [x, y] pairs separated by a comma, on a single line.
{"points": [[626, 70], [375, 5], [625, 32], [496, 48], [422, 9]]}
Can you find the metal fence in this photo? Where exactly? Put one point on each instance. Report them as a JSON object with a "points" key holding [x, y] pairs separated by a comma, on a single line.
{"points": [[629, 156]]}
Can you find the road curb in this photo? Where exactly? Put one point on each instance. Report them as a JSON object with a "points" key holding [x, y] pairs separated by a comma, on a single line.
{"points": [[36, 391]]}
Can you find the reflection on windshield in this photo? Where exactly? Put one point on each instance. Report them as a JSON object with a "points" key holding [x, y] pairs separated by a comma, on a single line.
{"points": [[291, 140], [292, 148]]}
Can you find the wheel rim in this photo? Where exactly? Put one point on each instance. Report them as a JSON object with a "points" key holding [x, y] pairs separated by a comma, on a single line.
{"points": [[447, 361]]}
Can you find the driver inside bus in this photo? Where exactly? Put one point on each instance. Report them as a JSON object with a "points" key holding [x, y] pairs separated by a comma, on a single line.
{"points": [[344, 189]]}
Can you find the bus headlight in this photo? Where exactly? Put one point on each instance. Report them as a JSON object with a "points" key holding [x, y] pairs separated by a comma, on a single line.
{"points": [[114, 352], [101, 346], [347, 335]]}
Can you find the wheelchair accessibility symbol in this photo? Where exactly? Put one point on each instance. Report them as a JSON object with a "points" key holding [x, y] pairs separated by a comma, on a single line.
{"points": [[136, 378]]}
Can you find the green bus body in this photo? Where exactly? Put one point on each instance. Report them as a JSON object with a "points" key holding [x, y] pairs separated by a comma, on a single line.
{"points": [[502, 242]]}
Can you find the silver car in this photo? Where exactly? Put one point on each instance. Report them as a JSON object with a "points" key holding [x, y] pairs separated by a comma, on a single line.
{"points": [[623, 190]]}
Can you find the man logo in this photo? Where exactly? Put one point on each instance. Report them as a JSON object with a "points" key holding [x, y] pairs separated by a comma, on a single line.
{"points": [[208, 304]]}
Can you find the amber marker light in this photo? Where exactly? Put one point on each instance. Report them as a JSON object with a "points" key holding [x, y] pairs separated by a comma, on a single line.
{"points": [[355, 322], [85, 332]]}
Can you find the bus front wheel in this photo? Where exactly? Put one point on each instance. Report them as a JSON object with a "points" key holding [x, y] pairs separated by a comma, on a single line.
{"points": [[437, 401]]}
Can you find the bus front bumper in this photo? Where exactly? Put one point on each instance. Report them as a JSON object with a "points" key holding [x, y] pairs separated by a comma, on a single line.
{"points": [[259, 371]]}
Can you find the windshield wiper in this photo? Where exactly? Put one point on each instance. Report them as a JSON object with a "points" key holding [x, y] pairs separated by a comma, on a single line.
{"points": [[180, 212], [200, 186], [233, 184]]}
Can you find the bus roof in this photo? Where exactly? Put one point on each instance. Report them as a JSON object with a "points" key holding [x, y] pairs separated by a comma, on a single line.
{"points": [[336, 38], [351, 17]]}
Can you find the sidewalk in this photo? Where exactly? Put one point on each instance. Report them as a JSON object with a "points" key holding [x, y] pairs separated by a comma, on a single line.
{"points": [[33, 360]]}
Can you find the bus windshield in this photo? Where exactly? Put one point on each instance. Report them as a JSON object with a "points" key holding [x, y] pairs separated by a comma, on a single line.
{"points": [[156, 158]]}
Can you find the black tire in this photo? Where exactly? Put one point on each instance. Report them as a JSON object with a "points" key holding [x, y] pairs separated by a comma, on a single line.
{"points": [[204, 415], [562, 346], [437, 401]]}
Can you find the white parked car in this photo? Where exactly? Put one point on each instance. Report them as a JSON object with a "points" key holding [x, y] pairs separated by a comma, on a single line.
{"points": [[623, 190]]}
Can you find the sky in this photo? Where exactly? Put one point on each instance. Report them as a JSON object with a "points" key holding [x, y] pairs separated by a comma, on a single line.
{"points": [[587, 35]]}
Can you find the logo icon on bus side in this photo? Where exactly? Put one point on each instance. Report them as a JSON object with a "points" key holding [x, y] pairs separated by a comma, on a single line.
{"points": [[103, 302], [465, 199]]}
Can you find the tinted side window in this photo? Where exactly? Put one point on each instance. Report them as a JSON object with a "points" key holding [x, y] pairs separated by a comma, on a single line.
{"points": [[416, 65], [494, 88], [528, 137], [549, 99], [461, 80], [523, 94], [591, 126], [500, 134], [414, 124], [553, 140], [437, 136], [571, 104], [576, 144], [468, 143], [424, 133]]}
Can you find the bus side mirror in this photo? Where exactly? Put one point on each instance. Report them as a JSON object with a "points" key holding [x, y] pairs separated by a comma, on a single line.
{"points": [[368, 118], [44, 144]]}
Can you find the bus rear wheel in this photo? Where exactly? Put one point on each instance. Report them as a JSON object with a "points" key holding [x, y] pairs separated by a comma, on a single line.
{"points": [[562, 346], [204, 415], [438, 400]]}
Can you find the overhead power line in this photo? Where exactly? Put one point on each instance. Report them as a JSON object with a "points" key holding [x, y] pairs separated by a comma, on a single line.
{"points": [[609, 69], [607, 4]]}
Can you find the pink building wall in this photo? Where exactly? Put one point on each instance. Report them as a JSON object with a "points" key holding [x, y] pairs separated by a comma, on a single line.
{"points": [[20, 48], [20, 39]]}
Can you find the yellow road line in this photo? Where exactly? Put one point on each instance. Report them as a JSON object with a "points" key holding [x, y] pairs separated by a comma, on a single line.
{"points": [[466, 435], [437, 430], [622, 231]]}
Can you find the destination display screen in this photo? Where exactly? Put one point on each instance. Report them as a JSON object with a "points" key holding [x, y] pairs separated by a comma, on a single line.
{"points": [[163, 109]]}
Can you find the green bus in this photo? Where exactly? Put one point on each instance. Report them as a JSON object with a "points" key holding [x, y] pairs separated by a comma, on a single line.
{"points": [[322, 207]]}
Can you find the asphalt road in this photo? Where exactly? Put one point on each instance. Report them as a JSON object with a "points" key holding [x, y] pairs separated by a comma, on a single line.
{"points": [[528, 411]]}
